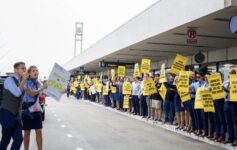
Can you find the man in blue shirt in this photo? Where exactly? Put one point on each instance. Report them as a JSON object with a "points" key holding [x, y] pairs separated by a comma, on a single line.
{"points": [[10, 119]]}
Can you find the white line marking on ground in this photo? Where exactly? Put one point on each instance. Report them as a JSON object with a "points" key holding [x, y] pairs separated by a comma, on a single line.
{"points": [[58, 119], [79, 148]]}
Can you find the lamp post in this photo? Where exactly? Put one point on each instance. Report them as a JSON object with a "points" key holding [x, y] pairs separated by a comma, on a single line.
{"points": [[78, 36]]}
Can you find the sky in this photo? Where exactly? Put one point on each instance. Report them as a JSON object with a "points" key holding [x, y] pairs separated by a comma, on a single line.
{"points": [[41, 32]]}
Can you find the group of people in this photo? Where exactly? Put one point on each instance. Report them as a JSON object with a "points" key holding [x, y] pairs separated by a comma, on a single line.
{"points": [[20, 93], [133, 96]]}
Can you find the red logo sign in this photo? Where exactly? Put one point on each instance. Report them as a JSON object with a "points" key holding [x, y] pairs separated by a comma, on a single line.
{"points": [[192, 34]]}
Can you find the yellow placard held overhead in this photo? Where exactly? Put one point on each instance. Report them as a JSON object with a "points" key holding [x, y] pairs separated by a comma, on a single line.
{"points": [[233, 88], [127, 88], [215, 83], [121, 71], [126, 101], [136, 70], [198, 99], [105, 90], [179, 64], [145, 65], [183, 81], [208, 104], [112, 74], [163, 91], [149, 87], [162, 78]]}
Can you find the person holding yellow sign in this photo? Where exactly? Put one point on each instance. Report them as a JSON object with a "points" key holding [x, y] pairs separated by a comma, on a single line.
{"points": [[135, 93], [198, 105], [168, 105], [106, 91], [230, 109], [144, 94]]}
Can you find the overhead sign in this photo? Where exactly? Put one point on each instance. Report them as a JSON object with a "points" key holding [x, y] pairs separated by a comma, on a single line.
{"points": [[191, 36], [233, 24], [104, 64]]}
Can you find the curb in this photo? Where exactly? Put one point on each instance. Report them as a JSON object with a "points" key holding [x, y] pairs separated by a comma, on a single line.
{"points": [[165, 126]]}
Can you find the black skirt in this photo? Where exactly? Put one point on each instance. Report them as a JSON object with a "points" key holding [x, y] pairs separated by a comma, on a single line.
{"points": [[33, 123]]}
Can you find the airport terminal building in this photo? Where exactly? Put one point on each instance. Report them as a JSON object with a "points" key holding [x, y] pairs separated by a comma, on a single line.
{"points": [[203, 30]]}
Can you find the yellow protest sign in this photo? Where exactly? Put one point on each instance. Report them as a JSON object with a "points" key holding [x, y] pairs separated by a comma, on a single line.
{"points": [[233, 88], [215, 83], [126, 101], [183, 83], [136, 70], [82, 86], [121, 71], [112, 74], [113, 89], [163, 91], [149, 87], [162, 78], [207, 101], [198, 99], [185, 96], [145, 65], [105, 90], [179, 64], [127, 88]]}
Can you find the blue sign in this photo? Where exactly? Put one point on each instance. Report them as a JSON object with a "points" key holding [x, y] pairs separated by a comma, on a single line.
{"points": [[233, 24], [81, 70]]}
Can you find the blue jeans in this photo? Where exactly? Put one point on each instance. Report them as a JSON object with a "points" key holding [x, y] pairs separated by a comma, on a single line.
{"points": [[121, 100], [208, 123], [199, 115], [11, 128], [135, 102], [220, 123], [169, 110], [231, 119], [192, 114], [143, 106]]}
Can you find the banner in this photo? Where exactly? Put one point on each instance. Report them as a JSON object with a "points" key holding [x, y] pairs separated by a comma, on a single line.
{"points": [[127, 88], [208, 104], [215, 83], [233, 88], [126, 101], [163, 91], [149, 87], [179, 64], [145, 65], [121, 71], [198, 99], [162, 78], [57, 82], [136, 70], [183, 83], [112, 74]]}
